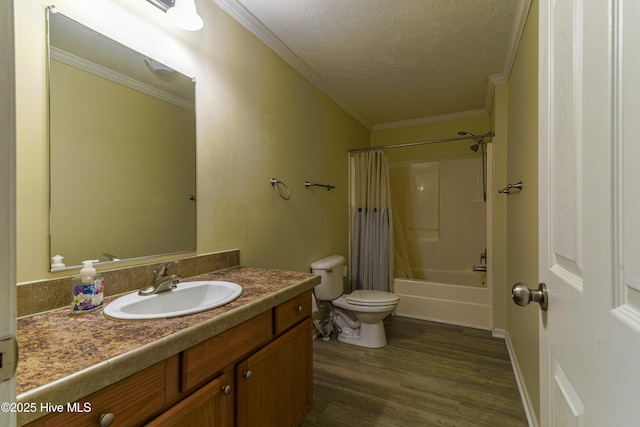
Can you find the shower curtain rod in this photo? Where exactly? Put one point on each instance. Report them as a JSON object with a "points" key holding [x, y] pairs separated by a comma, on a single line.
{"points": [[410, 144]]}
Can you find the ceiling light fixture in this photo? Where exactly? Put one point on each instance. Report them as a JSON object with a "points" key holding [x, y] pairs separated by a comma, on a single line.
{"points": [[158, 67], [184, 15]]}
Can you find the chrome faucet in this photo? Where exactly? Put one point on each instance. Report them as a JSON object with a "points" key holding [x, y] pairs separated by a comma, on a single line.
{"points": [[162, 282]]}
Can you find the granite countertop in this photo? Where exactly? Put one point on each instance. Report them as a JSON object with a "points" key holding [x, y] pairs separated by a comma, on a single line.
{"points": [[63, 357]]}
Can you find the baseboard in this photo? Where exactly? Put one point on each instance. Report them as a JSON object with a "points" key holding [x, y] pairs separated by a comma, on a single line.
{"points": [[498, 333], [524, 395]]}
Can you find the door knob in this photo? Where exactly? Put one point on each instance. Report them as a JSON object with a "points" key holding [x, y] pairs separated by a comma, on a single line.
{"points": [[522, 295]]}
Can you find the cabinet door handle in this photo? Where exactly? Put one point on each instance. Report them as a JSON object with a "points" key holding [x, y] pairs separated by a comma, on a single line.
{"points": [[107, 419], [226, 389], [299, 308], [247, 374]]}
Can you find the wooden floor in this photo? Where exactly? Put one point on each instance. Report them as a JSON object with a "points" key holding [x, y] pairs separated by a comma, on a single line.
{"points": [[429, 374]]}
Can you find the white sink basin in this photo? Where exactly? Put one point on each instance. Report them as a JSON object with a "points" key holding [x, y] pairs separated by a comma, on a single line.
{"points": [[186, 298]]}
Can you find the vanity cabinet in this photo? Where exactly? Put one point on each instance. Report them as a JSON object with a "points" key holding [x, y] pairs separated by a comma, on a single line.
{"points": [[258, 373], [202, 408], [203, 361], [205, 407], [274, 385], [129, 402]]}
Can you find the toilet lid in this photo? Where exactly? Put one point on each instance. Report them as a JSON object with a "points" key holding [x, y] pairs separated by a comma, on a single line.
{"points": [[372, 298]]}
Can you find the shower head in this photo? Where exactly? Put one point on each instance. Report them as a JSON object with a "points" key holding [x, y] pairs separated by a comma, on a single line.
{"points": [[479, 141], [479, 144]]}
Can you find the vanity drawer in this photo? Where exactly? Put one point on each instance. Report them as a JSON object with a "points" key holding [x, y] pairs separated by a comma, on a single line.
{"points": [[203, 361], [292, 312], [132, 400]]}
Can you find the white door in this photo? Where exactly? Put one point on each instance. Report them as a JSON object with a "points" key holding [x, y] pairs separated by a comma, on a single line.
{"points": [[589, 204], [7, 211]]}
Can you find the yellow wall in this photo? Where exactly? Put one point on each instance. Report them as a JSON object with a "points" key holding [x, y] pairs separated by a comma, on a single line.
{"points": [[139, 160], [522, 207], [257, 118]]}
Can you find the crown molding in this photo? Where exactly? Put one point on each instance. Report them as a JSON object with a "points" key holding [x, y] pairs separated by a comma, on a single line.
{"points": [[431, 119], [517, 28], [255, 27], [106, 73], [492, 81]]}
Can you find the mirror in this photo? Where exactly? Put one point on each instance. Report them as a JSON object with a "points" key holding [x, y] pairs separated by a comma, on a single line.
{"points": [[122, 149]]}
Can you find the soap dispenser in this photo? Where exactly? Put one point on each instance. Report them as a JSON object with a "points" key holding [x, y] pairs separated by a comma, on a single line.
{"points": [[88, 289], [56, 262]]}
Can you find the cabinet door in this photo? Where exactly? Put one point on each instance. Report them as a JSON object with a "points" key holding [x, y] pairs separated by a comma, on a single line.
{"points": [[202, 408], [275, 384], [227, 399], [132, 400]]}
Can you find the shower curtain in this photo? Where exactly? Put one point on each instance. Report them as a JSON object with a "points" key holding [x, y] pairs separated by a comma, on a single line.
{"points": [[371, 260]]}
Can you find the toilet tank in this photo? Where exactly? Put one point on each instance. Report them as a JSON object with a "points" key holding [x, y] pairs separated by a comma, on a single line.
{"points": [[330, 271]]}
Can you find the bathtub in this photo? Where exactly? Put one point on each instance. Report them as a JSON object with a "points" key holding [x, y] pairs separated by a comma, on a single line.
{"points": [[461, 278], [461, 298]]}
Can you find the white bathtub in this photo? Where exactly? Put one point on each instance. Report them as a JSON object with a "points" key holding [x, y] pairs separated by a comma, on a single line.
{"points": [[461, 304], [460, 278]]}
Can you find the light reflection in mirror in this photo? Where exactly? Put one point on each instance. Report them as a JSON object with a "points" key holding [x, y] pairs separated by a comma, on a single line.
{"points": [[122, 150]]}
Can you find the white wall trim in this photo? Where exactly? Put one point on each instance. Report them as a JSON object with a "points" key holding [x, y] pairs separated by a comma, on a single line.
{"points": [[255, 27], [517, 28], [524, 395], [492, 81], [431, 119], [499, 333], [106, 73]]}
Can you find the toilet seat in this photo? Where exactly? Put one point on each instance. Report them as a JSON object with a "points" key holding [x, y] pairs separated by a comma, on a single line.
{"points": [[369, 298], [367, 301]]}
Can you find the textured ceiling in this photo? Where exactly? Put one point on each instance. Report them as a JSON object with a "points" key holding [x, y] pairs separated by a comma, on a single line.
{"points": [[389, 62]]}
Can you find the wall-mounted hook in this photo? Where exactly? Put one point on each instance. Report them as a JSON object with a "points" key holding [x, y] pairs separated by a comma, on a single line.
{"points": [[509, 187]]}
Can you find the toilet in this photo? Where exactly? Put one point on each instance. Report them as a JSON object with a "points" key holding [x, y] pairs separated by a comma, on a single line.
{"points": [[358, 315]]}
